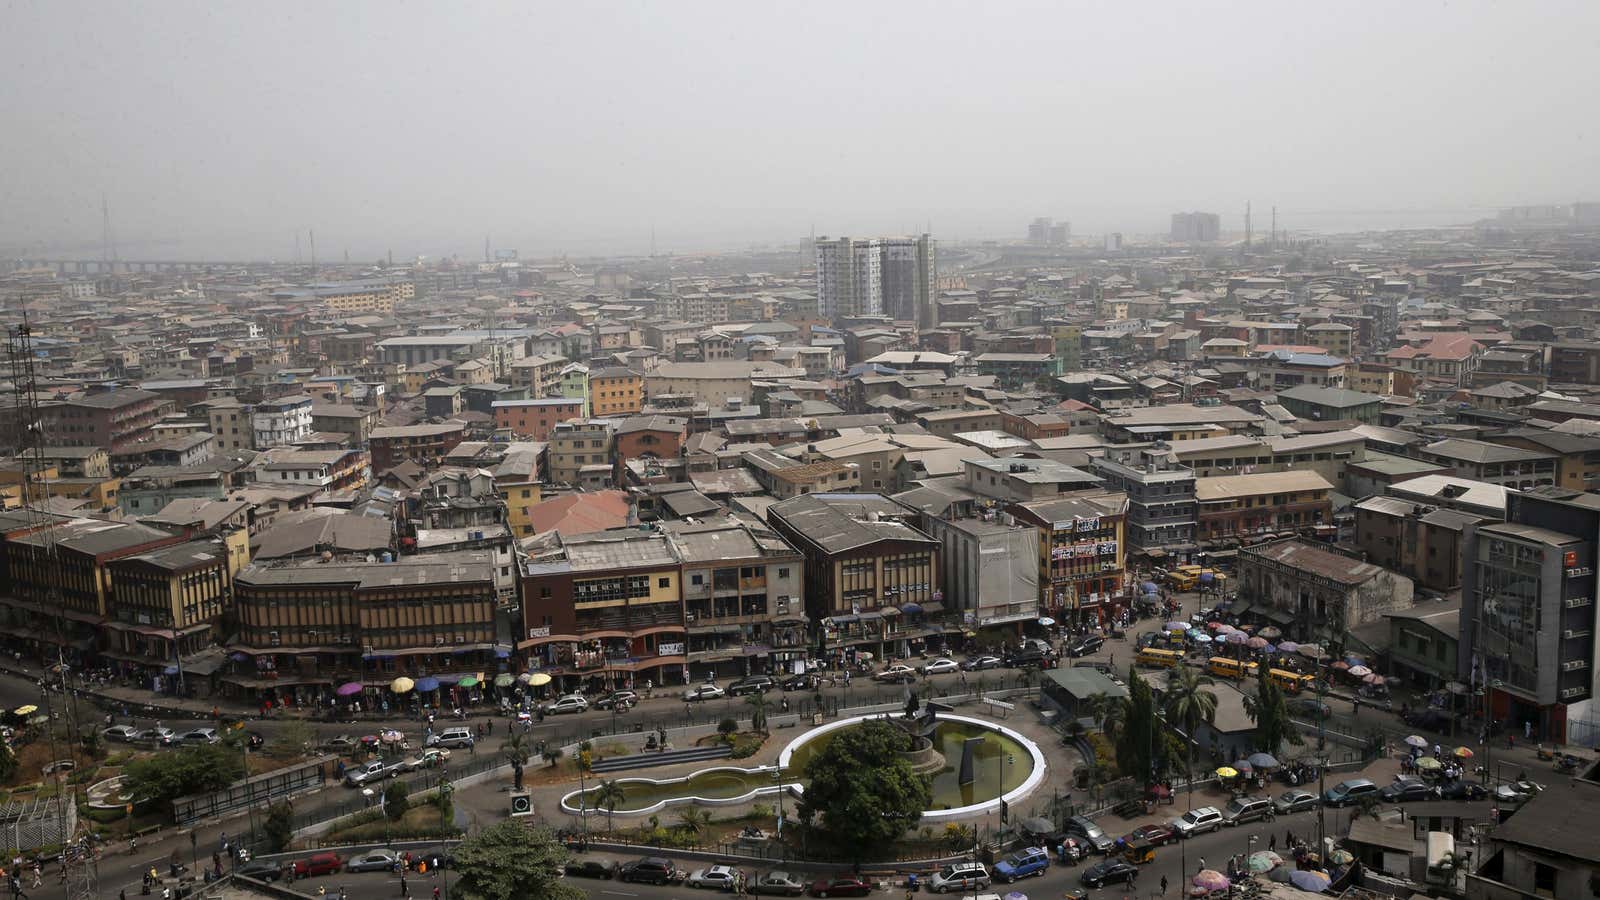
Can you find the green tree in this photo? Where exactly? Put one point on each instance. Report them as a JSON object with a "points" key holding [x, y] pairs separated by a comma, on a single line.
{"points": [[758, 711], [1110, 713], [1136, 744], [517, 750], [607, 796], [396, 799], [165, 777], [1270, 711], [727, 726], [509, 861], [279, 826], [294, 738], [692, 820], [1190, 703], [91, 742], [552, 754], [8, 762], [863, 791]]}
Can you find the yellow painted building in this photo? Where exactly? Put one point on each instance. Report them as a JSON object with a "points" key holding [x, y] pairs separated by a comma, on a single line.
{"points": [[615, 391]]}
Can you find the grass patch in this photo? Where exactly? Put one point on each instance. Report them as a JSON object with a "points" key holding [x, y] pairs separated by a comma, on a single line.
{"points": [[420, 821]]}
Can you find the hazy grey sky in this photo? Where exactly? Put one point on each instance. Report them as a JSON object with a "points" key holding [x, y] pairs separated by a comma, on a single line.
{"points": [[575, 126]]}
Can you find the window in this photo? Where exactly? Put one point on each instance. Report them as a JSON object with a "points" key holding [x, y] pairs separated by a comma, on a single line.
{"points": [[697, 579], [783, 572], [664, 582]]}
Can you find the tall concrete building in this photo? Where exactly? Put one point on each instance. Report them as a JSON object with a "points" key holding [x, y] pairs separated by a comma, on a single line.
{"points": [[1047, 232], [909, 268], [1195, 227], [877, 276]]}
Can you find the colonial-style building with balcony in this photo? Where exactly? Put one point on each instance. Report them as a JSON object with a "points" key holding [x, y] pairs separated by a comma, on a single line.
{"points": [[744, 606], [1242, 508], [1082, 553]]}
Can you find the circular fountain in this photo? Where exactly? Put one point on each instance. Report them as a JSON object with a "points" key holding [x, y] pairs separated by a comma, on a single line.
{"points": [[1006, 766]]}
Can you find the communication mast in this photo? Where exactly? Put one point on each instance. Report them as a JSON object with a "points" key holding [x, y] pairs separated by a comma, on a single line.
{"points": [[77, 858]]}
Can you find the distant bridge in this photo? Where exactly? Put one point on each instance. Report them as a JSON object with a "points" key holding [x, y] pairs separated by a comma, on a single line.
{"points": [[104, 267]]}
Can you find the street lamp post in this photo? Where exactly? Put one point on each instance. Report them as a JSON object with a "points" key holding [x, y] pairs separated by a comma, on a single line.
{"points": [[777, 779], [1248, 843]]}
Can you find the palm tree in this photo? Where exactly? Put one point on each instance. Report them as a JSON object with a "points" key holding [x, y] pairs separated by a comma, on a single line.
{"points": [[1110, 713], [692, 820], [758, 711], [607, 796], [517, 750], [1190, 703]]}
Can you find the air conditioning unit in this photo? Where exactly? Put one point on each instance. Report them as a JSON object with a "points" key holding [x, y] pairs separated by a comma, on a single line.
{"points": [[1574, 665]]}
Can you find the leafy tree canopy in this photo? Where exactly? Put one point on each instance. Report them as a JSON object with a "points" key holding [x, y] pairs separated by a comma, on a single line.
{"points": [[510, 861], [165, 777], [864, 793]]}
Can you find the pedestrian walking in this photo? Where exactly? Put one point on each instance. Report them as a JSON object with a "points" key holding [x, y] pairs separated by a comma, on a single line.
{"points": [[435, 892], [405, 891], [1202, 866], [1527, 730], [1272, 842], [1163, 885]]}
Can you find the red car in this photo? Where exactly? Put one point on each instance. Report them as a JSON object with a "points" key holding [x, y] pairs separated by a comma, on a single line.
{"points": [[318, 864], [843, 886], [1155, 832]]}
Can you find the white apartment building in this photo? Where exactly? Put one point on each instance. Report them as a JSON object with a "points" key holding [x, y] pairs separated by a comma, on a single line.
{"points": [[281, 422], [849, 277]]}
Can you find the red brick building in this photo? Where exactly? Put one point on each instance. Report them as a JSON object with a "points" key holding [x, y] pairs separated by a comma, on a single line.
{"points": [[536, 419], [650, 437], [110, 420], [423, 444]]}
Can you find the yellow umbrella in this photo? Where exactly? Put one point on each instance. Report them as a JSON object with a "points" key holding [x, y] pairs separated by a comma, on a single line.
{"points": [[539, 679], [1226, 772], [1464, 752], [402, 685], [28, 710]]}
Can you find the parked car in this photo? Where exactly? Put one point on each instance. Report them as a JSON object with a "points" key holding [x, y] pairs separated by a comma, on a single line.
{"points": [[591, 868], [1028, 659], [1084, 827], [1085, 645], [124, 733], [1022, 863], [1294, 801], [750, 684], [778, 882], [344, 743], [1107, 871], [161, 736], [1406, 789], [318, 864], [941, 666], [1462, 789], [703, 692], [1156, 833], [261, 869], [841, 886], [1349, 791], [1310, 708], [452, 737], [200, 736], [369, 772], [897, 672], [978, 663], [373, 861], [650, 869], [620, 699], [1198, 821], [961, 876], [571, 703], [804, 682], [427, 759], [1246, 809], [719, 878]]}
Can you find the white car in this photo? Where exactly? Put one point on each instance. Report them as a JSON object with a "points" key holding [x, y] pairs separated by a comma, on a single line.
{"points": [[703, 692], [570, 703], [125, 733], [1198, 821], [427, 759], [940, 666], [896, 673], [163, 736], [958, 876], [717, 877]]}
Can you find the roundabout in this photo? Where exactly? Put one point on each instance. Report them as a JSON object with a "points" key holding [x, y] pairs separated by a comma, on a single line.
{"points": [[1005, 765]]}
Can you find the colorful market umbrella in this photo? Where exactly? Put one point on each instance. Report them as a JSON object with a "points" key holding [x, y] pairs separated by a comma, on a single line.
{"points": [[1360, 671], [1212, 880], [504, 679], [1269, 649], [538, 679], [1263, 760], [1309, 880], [1237, 637], [1374, 679], [1311, 651], [428, 684], [1256, 643], [1271, 632], [349, 689], [1463, 752], [1215, 626], [1416, 740], [1226, 772], [391, 736], [1341, 857], [1178, 626], [468, 681], [28, 710], [1264, 861], [1016, 895], [1202, 638], [1046, 621], [1243, 765], [1149, 587], [1427, 762], [1340, 665], [1288, 646], [401, 685]]}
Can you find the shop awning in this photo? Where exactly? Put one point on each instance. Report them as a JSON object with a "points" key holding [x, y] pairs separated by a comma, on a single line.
{"points": [[1281, 616], [888, 611], [842, 620], [870, 616], [1241, 607], [933, 606]]}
